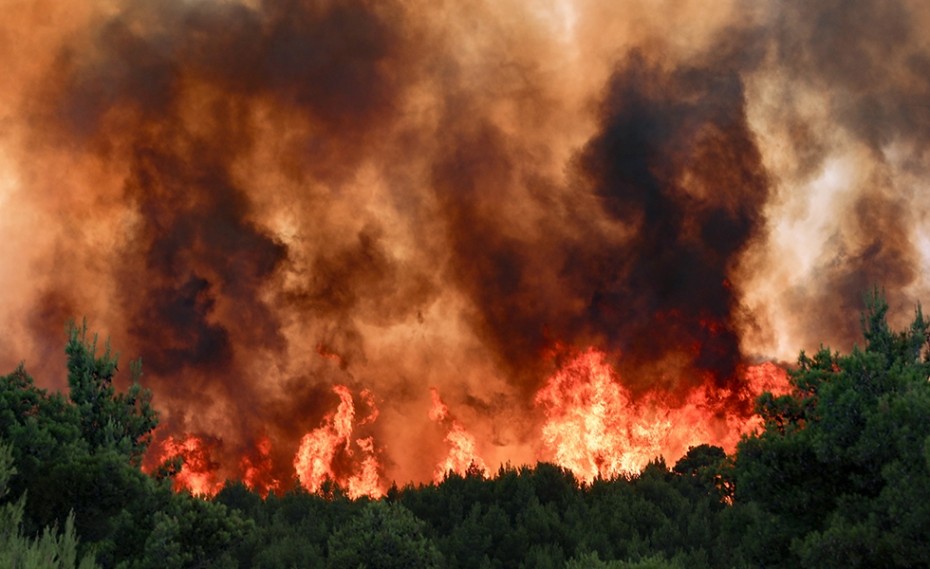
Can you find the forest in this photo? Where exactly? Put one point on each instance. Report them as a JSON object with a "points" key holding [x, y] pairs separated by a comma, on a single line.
{"points": [[838, 476]]}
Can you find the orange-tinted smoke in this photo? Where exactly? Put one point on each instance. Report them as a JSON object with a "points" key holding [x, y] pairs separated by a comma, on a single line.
{"points": [[267, 199], [463, 457]]}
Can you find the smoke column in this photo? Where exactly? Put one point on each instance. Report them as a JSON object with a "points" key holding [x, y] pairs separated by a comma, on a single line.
{"points": [[267, 200]]}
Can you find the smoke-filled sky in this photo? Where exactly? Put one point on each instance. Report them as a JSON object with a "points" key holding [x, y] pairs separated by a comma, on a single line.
{"points": [[264, 199]]}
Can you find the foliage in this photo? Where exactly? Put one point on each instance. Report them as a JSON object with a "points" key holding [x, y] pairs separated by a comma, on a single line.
{"points": [[78, 462], [108, 419], [50, 550], [840, 472], [592, 561], [838, 476], [383, 536]]}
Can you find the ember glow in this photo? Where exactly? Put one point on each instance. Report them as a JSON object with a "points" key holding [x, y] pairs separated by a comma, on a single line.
{"points": [[198, 472], [596, 428], [331, 453], [257, 467], [463, 456], [303, 215]]}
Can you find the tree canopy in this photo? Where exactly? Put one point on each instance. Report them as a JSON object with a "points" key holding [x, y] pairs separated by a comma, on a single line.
{"points": [[837, 476]]}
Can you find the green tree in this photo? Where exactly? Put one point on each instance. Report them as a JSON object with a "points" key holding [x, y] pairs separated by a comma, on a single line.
{"points": [[190, 533], [593, 561], [80, 467], [839, 476], [123, 420], [383, 536], [51, 550]]}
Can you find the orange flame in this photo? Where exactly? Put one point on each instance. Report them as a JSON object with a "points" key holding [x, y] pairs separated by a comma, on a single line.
{"points": [[595, 428], [767, 377], [593, 425], [316, 458], [198, 472], [462, 457], [256, 470], [367, 481], [761, 378]]}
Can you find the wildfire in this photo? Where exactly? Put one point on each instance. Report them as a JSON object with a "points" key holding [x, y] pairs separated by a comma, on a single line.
{"points": [[322, 451], [463, 456], [593, 425], [246, 194], [367, 480], [256, 469], [198, 472], [595, 428], [767, 377]]}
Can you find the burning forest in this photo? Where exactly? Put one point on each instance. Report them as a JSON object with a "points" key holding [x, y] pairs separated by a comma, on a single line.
{"points": [[365, 242]]}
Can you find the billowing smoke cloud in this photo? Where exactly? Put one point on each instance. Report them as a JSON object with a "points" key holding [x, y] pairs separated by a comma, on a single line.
{"points": [[844, 127], [267, 199], [674, 176], [677, 164]]}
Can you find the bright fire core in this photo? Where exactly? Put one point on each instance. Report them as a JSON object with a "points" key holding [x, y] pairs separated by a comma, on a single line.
{"points": [[577, 222], [592, 426]]}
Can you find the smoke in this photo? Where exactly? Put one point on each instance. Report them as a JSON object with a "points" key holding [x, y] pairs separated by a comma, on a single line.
{"points": [[265, 199], [843, 130]]}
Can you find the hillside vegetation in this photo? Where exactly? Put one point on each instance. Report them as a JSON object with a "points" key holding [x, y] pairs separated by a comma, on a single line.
{"points": [[838, 477]]}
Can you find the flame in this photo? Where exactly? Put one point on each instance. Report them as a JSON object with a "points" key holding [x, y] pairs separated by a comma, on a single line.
{"points": [[256, 470], [595, 428], [198, 473], [321, 449], [373, 412], [593, 425], [242, 217], [367, 481], [767, 377], [761, 378], [330, 355], [462, 457]]}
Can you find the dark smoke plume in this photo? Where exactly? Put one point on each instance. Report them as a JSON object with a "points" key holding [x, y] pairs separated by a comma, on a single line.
{"points": [[264, 199], [677, 163], [674, 168]]}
